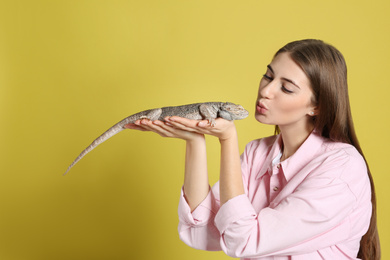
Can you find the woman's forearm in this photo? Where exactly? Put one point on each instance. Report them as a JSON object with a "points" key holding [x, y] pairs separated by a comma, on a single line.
{"points": [[230, 182], [196, 184]]}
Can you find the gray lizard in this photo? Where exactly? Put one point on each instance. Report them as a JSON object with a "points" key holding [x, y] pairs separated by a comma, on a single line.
{"points": [[208, 111]]}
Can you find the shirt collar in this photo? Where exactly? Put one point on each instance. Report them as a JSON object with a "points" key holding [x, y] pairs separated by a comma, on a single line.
{"points": [[273, 152], [305, 153]]}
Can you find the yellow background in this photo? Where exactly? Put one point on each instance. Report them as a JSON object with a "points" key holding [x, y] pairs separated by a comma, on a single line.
{"points": [[71, 69]]}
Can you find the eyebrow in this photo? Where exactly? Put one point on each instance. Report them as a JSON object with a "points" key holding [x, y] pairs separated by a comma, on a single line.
{"points": [[288, 80]]}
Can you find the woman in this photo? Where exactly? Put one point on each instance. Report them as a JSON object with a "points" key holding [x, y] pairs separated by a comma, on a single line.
{"points": [[304, 193]]}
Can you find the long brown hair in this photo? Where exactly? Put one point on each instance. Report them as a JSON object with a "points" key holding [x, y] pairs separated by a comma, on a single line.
{"points": [[327, 72]]}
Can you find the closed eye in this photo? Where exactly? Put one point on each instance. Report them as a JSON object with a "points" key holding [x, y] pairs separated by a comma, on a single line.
{"points": [[271, 70], [284, 89], [267, 77]]}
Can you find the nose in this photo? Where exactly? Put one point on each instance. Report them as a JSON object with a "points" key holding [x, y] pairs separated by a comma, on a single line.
{"points": [[267, 89]]}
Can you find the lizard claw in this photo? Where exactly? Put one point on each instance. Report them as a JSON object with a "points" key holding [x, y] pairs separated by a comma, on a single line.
{"points": [[207, 122], [212, 122]]}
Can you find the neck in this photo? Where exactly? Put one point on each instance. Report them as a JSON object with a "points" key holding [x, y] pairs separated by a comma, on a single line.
{"points": [[293, 138]]}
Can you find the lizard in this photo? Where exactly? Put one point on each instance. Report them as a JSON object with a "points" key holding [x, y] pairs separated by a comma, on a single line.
{"points": [[208, 111]]}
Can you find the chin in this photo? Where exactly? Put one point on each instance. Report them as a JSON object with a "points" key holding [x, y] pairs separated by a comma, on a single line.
{"points": [[263, 119]]}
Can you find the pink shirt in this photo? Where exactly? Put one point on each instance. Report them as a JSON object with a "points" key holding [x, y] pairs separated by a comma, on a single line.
{"points": [[314, 205]]}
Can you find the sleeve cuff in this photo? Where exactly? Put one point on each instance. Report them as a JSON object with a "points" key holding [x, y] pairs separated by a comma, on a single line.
{"points": [[233, 210], [202, 215]]}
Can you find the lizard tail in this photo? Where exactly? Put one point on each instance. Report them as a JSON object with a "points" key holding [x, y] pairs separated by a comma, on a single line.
{"points": [[109, 133]]}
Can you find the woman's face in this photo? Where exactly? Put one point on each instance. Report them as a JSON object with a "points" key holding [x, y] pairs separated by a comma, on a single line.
{"points": [[285, 95]]}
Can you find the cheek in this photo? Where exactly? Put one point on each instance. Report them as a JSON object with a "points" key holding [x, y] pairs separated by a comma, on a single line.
{"points": [[293, 106]]}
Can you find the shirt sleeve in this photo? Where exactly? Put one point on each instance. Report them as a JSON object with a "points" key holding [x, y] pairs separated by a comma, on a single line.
{"points": [[316, 215], [197, 228]]}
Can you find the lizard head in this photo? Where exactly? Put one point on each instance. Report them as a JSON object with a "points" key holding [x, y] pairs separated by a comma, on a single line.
{"points": [[230, 111]]}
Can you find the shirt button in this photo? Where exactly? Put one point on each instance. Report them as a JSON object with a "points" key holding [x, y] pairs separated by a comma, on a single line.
{"points": [[276, 188], [278, 166]]}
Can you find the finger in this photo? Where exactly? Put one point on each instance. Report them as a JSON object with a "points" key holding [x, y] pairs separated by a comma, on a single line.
{"points": [[175, 132], [190, 123], [184, 124], [147, 124], [158, 127], [135, 127], [182, 120], [169, 129]]}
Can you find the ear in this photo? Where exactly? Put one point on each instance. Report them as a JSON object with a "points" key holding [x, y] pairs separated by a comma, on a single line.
{"points": [[313, 112]]}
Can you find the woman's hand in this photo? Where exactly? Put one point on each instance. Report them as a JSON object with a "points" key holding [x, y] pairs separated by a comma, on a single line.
{"points": [[186, 129], [223, 129], [166, 129]]}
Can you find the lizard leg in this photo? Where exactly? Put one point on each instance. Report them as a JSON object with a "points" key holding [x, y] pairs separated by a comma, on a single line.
{"points": [[153, 114], [209, 113]]}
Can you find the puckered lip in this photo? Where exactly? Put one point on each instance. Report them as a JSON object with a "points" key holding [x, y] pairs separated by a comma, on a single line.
{"points": [[261, 105]]}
